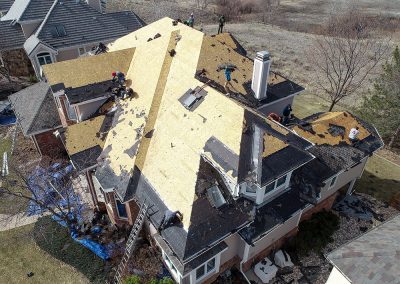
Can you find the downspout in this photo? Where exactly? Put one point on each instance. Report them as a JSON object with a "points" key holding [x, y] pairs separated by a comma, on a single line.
{"points": [[241, 271]]}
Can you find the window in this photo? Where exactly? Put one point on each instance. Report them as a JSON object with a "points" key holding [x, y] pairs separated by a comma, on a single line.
{"points": [[44, 58], [70, 110], [121, 209], [206, 269], [81, 51], [170, 264], [281, 181], [333, 182], [270, 187], [57, 31], [252, 189]]}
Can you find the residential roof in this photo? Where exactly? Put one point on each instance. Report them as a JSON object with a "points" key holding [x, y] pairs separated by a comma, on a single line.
{"points": [[84, 141], [36, 10], [5, 5], [214, 55], [84, 24], [373, 257], [229, 40], [16, 10], [94, 77], [11, 35], [35, 109]]}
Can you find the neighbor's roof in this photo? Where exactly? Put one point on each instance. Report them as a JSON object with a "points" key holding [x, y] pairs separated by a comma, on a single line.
{"points": [[84, 141], [16, 10], [11, 35], [373, 257], [82, 24], [36, 9], [5, 4], [35, 109]]}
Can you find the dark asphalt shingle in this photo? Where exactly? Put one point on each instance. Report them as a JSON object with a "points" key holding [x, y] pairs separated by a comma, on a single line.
{"points": [[11, 36], [37, 9], [35, 109], [5, 4], [83, 24]]}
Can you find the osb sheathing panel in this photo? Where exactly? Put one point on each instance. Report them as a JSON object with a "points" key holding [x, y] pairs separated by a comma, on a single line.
{"points": [[144, 73], [272, 145], [84, 135], [321, 126], [92, 69], [226, 38], [173, 156]]}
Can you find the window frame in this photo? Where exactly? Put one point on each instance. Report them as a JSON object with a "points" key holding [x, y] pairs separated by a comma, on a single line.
{"points": [[44, 55], [276, 186], [170, 265], [207, 272], [116, 200], [79, 50]]}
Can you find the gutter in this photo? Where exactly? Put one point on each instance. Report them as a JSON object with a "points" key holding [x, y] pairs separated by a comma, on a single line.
{"points": [[241, 271]]}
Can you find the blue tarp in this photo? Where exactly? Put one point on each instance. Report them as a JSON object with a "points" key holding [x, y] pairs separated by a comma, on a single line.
{"points": [[101, 251]]}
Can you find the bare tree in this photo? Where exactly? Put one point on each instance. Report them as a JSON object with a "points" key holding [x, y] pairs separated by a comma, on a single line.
{"points": [[345, 54], [269, 9], [202, 4], [45, 191]]}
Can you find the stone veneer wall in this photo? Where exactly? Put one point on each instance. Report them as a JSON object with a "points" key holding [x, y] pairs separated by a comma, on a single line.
{"points": [[17, 62]]}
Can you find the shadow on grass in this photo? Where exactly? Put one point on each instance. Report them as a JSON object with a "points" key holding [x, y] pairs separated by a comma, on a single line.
{"points": [[381, 189], [56, 241]]}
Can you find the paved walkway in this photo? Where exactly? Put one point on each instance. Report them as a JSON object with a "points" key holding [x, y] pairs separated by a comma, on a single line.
{"points": [[8, 222]]}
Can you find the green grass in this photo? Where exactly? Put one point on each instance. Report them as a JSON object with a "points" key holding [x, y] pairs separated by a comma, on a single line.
{"points": [[9, 204], [381, 179], [19, 255]]}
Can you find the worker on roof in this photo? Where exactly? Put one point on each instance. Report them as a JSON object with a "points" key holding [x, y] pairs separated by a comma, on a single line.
{"points": [[227, 72], [353, 134], [286, 114], [190, 21], [118, 77], [221, 24]]}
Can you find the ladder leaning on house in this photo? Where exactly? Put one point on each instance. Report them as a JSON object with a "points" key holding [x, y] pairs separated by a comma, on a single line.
{"points": [[130, 244]]}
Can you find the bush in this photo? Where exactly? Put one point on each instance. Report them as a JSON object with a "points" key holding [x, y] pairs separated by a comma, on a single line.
{"points": [[133, 279], [166, 280], [316, 233]]}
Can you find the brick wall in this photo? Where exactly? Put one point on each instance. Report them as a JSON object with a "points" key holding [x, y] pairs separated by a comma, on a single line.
{"points": [[264, 253], [50, 145], [133, 210], [17, 62], [326, 204]]}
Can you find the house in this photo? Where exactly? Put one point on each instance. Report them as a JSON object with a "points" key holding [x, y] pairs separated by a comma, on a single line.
{"points": [[190, 146], [38, 32], [5, 6], [373, 257], [38, 118]]}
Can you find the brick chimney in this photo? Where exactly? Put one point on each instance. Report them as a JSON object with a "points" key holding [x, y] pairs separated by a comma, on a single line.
{"points": [[259, 83]]}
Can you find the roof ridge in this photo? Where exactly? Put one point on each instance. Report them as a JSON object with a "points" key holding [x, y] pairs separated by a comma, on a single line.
{"points": [[37, 33]]}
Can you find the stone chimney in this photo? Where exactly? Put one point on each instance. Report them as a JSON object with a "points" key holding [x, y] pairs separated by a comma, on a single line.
{"points": [[259, 83]]}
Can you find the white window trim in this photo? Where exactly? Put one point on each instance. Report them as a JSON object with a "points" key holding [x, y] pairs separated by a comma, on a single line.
{"points": [[207, 273], [171, 267], [67, 106], [334, 179], [116, 206], [276, 188], [44, 56]]}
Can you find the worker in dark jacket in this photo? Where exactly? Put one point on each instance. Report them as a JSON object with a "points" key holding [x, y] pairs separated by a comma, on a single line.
{"points": [[286, 114], [221, 23]]}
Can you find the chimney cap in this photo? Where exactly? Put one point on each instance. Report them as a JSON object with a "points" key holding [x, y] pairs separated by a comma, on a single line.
{"points": [[263, 55]]}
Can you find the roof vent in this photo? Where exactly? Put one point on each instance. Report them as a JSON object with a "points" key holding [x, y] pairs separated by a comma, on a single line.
{"points": [[215, 197], [193, 98]]}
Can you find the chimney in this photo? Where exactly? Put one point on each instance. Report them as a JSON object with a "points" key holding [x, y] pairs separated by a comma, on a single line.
{"points": [[259, 83]]}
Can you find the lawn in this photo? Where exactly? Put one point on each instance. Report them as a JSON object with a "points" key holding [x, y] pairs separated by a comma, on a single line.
{"points": [[47, 250]]}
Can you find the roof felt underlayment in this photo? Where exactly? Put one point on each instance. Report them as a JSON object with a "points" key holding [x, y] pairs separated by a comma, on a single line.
{"points": [[331, 128], [92, 69]]}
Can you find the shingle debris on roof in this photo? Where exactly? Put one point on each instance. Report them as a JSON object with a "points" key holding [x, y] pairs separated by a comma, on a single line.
{"points": [[35, 109], [373, 257]]}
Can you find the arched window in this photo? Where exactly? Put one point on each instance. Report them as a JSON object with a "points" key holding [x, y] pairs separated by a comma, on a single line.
{"points": [[44, 58]]}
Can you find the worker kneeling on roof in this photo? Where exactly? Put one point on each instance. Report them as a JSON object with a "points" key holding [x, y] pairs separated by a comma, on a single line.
{"points": [[118, 77], [353, 134]]}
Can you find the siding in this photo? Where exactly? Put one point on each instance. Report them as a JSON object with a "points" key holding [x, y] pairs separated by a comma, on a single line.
{"points": [[276, 107], [86, 110]]}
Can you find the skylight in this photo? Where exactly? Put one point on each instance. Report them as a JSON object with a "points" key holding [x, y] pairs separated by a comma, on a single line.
{"points": [[193, 98], [57, 31]]}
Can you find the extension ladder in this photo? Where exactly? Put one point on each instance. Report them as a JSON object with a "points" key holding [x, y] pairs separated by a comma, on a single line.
{"points": [[130, 244]]}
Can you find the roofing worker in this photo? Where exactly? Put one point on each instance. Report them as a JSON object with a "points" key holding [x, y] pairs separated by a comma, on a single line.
{"points": [[353, 134], [191, 20], [228, 72], [118, 77], [286, 113], [221, 23]]}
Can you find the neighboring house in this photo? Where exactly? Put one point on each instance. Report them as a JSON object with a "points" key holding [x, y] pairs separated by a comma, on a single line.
{"points": [[39, 32], [38, 117], [182, 142], [5, 5], [373, 257]]}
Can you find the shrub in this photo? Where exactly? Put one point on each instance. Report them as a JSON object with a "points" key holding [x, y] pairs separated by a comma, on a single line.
{"points": [[166, 280], [133, 279], [315, 233]]}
